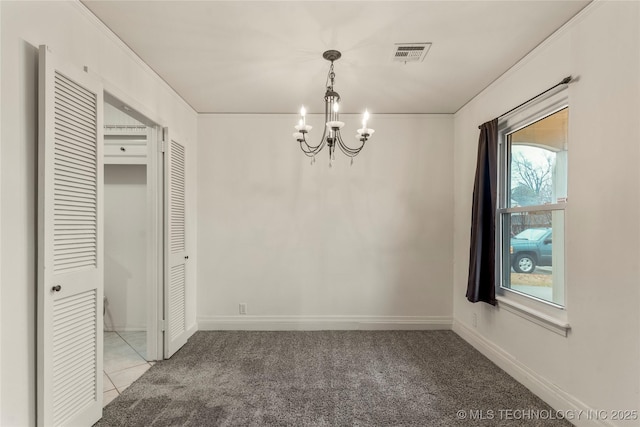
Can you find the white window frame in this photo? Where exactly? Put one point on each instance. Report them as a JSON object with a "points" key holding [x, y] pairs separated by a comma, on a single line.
{"points": [[544, 313]]}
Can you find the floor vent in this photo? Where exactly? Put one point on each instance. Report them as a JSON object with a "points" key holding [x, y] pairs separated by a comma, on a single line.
{"points": [[410, 52]]}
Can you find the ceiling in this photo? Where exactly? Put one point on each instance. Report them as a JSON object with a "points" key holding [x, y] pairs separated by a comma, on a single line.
{"points": [[266, 56]]}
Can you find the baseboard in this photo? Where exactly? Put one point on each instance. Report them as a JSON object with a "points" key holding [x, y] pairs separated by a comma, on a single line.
{"points": [[125, 328], [580, 413], [315, 323]]}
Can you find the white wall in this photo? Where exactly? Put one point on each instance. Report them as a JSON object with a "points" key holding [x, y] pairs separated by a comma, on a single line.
{"points": [[115, 117], [76, 36], [598, 365], [125, 247], [317, 247]]}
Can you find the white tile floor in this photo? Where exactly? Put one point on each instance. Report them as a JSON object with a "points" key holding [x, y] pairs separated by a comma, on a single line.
{"points": [[124, 361]]}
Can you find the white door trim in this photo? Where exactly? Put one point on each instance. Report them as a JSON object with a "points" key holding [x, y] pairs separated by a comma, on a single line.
{"points": [[155, 253], [155, 215]]}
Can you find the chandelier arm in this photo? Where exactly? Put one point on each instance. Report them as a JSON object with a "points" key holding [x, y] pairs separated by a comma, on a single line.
{"points": [[307, 152], [311, 151], [313, 148], [309, 148], [307, 145], [348, 153], [351, 152]]}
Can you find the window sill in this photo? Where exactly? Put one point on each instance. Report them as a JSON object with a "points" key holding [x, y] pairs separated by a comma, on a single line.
{"points": [[545, 320]]}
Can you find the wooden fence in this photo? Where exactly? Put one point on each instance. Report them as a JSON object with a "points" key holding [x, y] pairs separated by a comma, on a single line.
{"points": [[522, 220]]}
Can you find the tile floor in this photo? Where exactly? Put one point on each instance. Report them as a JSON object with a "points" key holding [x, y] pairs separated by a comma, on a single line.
{"points": [[124, 361]]}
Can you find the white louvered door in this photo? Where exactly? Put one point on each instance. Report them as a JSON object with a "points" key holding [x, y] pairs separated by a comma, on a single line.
{"points": [[70, 267], [176, 257]]}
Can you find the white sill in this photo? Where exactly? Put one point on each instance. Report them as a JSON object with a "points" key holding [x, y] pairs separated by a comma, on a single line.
{"points": [[531, 314]]}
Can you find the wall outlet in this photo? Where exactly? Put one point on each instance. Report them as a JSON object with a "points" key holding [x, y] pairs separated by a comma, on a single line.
{"points": [[242, 308], [474, 320]]}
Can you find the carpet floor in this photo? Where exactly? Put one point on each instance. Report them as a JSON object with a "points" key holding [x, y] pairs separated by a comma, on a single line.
{"points": [[327, 378]]}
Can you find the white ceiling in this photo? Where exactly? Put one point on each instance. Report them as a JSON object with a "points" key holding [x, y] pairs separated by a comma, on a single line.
{"points": [[266, 56]]}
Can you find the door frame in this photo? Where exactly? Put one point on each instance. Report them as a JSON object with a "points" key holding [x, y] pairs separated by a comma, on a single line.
{"points": [[154, 215]]}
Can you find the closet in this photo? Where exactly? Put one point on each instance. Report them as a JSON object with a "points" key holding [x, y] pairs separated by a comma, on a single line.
{"points": [[126, 228]]}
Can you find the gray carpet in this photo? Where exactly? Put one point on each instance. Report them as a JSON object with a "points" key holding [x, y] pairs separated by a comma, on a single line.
{"points": [[326, 378]]}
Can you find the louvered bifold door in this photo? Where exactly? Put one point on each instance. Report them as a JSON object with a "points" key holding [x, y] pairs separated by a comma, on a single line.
{"points": [[176, 257], [70, 283]]}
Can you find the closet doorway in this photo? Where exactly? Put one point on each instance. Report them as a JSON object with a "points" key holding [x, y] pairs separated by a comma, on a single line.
{"points": [[132, 246]]}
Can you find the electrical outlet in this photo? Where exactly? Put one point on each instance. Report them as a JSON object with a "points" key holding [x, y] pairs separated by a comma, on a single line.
{"points": [[242, 308], [474, 320]]}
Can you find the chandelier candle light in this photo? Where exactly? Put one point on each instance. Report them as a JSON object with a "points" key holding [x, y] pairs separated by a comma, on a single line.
{"points": [[332, 120]]}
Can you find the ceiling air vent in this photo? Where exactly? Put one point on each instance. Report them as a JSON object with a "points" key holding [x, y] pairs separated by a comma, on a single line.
{"points": [[410, 52]]}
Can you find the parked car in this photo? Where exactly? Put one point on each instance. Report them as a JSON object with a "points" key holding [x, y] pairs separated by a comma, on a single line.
{"points": [[530, 248]]}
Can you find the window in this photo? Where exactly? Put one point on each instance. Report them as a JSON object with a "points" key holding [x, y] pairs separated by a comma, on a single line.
{"points": [[532, 197]]}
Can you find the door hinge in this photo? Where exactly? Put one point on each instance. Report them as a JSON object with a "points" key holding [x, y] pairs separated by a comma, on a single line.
{"points": [[163, 143], [161, 325], [161, 147]]}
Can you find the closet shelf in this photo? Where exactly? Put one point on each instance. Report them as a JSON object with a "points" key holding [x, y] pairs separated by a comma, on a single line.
{"points": [[125, 144], [124, 130]]}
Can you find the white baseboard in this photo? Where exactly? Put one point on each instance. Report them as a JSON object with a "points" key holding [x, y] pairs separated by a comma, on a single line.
{"points": [[580, 413], [315, 323], [190, 331], [125, 328]]}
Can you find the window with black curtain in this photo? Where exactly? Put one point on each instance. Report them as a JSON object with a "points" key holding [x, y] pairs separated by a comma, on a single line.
{"points": [[482, 256]]}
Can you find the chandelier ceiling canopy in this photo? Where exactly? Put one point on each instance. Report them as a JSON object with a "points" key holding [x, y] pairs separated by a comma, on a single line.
{"points": [[332, 121]]}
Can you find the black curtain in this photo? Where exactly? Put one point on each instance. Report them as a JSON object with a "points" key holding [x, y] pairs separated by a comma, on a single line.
{"points": [[482, 253]]}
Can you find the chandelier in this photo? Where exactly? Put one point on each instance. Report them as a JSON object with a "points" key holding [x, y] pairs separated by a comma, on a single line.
{"points": [[332, 120]]}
